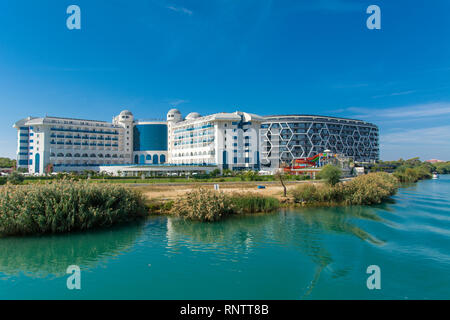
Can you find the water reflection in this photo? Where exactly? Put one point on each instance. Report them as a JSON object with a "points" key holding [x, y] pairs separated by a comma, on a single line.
{"points": [[340, 220], [40, 257], [303, 229]]}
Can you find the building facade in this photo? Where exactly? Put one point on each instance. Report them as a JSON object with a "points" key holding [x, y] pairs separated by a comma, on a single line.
{"points": [[235, 141], [288, 137], [76, 145], [150, 142], [227, 140]]}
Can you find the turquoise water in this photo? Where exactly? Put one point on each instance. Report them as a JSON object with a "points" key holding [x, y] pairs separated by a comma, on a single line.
{"points": [[293, 254]]}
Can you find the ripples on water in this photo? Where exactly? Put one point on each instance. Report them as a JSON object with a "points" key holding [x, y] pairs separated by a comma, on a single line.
{"points": [[315, 253]]}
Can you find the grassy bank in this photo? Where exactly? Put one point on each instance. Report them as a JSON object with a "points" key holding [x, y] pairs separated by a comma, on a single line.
{"points": [[210, 205], [369, 189], [66, 206]]}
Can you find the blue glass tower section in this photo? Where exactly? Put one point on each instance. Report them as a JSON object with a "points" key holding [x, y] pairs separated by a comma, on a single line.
{"points": [[150, 137]]}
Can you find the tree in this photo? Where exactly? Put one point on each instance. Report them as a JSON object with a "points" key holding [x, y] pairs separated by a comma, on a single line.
{"points": [[331, 174], [7, 163], [280, 175], [227, 172], [215, 173], [250, 175]]}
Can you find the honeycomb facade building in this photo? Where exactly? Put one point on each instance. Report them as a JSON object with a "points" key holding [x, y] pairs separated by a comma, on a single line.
{"points": [[288, 137]]}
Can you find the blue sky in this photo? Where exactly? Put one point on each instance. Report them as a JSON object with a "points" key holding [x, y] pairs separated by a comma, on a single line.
{"points": [[260, 56]]}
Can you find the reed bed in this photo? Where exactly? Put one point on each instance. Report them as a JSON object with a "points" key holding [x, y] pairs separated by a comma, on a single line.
{"points": [[369, 189], [66, 206], [209, 205]]}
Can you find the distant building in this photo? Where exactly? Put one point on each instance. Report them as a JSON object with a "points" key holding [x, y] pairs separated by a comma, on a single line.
{"points": [[434, 161]]}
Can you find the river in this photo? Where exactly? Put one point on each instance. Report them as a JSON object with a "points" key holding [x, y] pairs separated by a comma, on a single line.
{"points": [[314, 253]]}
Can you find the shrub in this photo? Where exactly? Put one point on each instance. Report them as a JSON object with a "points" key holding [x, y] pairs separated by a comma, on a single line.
{"points": [[442, 167], [203, 205], [372, 188], [66, 206], [214, 173], [252, 203], [15, 178], [305, 193], [413, 174], [331, 174], [2, 180], [210, 205]]}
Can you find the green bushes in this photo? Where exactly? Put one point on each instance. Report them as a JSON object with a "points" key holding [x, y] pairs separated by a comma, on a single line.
{"points": [[442, 167], [7, 163], [412, 170], [2, 180], [305, 193], [15, 178], [251, 203], [368, 189], [66, 206], [405, 174], [210, 205], [331, 174], [203, 205]]}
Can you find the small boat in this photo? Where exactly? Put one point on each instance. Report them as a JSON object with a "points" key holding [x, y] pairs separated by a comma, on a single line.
{"points": [[435, 176]]}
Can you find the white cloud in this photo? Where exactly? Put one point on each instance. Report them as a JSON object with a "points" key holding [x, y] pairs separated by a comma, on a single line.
{"points": [[430, 136], [394, 94], [177, 102], [181, 10], [418, 130], [405, 113], [426, 143]]}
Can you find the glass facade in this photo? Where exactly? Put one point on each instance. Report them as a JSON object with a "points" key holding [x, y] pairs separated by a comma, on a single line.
{"points": [[149, 137]]}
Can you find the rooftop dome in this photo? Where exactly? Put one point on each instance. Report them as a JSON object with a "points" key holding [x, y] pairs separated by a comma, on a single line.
{"points": [[193, 115], [173, 111], [126, 113]]}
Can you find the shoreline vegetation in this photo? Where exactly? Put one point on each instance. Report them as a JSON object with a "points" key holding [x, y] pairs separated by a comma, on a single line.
{"points": [[69, 205], [66, 206], [209, 205]]}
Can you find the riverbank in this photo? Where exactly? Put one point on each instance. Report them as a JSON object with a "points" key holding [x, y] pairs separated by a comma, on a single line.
{"points": [[209, 205], [67, 206]]}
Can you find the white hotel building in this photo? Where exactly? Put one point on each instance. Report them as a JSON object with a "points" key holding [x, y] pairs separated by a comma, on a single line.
{"points": [[227, 140], [77, 145], [236, 141]]}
